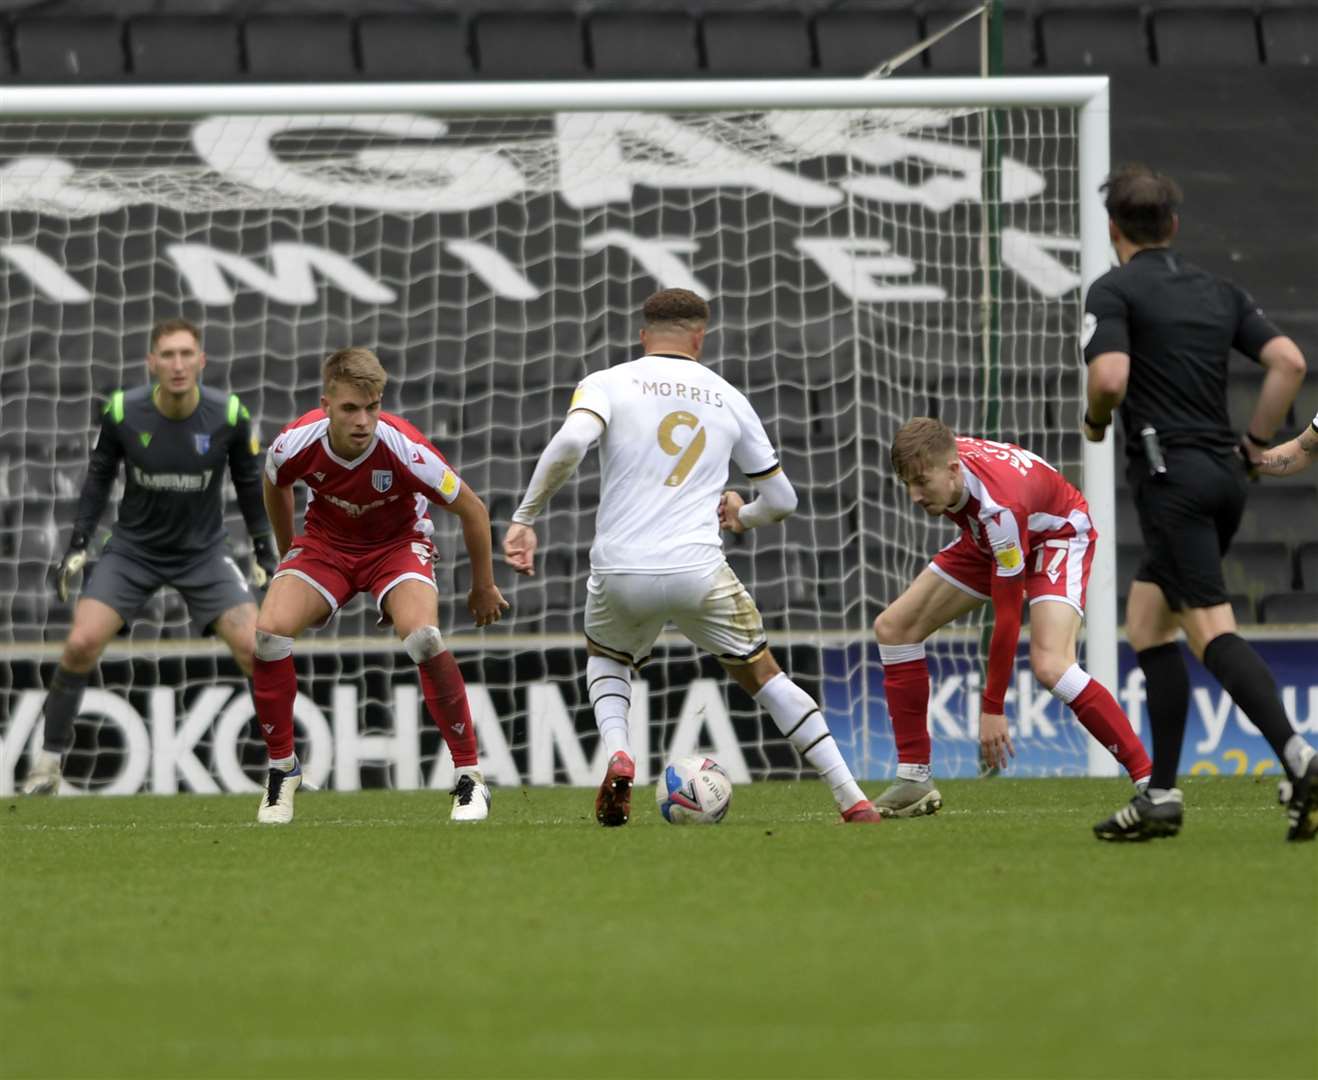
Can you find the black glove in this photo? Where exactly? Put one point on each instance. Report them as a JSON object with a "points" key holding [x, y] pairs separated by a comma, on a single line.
{"points": [[71, 565], [264, 561]]}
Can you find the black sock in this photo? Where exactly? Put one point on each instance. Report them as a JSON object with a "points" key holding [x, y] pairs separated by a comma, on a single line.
{"points": [[61, 709], [1249, 681], [1167, 688]]}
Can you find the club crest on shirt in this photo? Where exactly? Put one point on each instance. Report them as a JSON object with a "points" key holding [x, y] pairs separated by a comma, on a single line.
{"points": [[202, 443], [382, 480]]}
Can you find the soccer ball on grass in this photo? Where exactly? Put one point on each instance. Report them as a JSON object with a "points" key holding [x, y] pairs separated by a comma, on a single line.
{"points": [[693, 791]]}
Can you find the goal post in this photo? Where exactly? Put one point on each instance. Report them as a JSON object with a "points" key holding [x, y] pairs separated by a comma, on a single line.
{"points": [[494, 242]]}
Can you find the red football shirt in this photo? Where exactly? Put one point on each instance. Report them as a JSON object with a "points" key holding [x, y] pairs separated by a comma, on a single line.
{"points": [[381, 496], [1014, 501]]}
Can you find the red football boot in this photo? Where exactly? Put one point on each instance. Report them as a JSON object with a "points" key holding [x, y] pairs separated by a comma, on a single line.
{"points": [[863, 812], [613, 804]]}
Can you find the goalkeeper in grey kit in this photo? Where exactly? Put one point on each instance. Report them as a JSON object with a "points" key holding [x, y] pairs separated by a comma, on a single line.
{"points": [[175, 438]]}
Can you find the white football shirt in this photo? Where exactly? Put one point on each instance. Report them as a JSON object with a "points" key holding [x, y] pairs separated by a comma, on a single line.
{"points": [[671, 425]]}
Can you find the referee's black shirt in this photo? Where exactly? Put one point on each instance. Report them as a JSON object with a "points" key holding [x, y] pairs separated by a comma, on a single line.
{"points": [[1177, 324]]}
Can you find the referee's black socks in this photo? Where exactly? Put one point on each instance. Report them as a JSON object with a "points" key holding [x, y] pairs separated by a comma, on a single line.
{"points": [[1249, 681], [1167, 690]]}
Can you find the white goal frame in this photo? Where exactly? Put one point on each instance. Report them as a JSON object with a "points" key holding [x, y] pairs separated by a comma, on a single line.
{"points": [[1088, 95]]}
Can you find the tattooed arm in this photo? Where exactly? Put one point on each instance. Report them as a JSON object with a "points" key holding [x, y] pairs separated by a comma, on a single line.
{"points": [[1294, 456]]}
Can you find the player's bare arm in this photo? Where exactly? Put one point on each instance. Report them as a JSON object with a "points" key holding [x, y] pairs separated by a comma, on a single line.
{"points": [[557, 463], [484, 601], [776, 500], [1285, 367], [1292, 457], [279, 509], [1108, 375]]}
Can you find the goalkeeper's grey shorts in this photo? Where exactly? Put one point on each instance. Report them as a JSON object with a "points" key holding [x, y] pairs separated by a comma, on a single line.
{"points": [[210, 583]]}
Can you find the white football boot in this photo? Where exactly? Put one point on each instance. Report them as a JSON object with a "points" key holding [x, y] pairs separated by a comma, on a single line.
{"points": [[277, 802], [909, 798], [44, 776], [471, 798]]}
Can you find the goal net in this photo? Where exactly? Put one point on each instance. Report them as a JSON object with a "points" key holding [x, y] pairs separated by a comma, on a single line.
{"points": [[492, 259]]}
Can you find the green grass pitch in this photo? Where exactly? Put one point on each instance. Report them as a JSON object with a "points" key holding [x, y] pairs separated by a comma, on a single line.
{"points": [[150, 937]]}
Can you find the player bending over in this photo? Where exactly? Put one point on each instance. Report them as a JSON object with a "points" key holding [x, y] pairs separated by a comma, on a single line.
{"points": [[176, 438], [1025, 532], [667, 427], [371, 477]]}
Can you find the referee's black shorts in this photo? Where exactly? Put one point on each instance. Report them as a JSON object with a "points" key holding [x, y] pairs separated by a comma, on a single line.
{"points": [[1188, 518]]}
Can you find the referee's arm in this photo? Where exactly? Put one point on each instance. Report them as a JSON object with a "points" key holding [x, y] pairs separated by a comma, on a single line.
{"points": [[1285, 372], [1106, 346]]}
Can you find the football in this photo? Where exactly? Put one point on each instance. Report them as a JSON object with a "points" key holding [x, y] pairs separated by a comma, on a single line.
{"points": [[693, 791]]}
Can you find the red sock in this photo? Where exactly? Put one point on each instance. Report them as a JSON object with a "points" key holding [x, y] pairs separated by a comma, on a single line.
{"points": [[446, 698], [906, 685], [274, 686], [1102, 717]]}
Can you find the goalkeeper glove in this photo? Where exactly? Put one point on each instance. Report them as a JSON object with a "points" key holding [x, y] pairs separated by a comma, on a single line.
{"points": [[71, 565], [264, 561]]}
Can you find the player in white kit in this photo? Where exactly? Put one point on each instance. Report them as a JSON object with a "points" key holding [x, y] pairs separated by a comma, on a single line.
{"points": [[667, 428]]}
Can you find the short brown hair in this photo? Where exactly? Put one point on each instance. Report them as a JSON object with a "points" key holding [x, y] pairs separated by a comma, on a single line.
{"points": [[173, 326], [676, 307], [918, 443], [356, 366], [1142, 202]]}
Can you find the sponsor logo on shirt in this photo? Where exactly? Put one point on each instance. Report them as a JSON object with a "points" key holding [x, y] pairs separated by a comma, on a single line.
{"points": [[172, 481], [382, 480]]}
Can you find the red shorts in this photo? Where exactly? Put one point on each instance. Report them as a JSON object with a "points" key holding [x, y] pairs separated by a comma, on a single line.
{"points": [[1055, 570], [339, 575]]}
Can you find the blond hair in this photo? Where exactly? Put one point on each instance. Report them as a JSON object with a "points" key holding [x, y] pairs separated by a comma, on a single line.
{"points": [[357, 367], [919, 443]]}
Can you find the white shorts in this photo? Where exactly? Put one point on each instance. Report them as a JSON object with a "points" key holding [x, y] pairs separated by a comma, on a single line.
{"points": [[626, 612]]}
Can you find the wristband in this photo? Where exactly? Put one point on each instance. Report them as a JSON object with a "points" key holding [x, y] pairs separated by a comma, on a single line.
{"points": [[1094, 423], [78, 541], [1262, 444]]}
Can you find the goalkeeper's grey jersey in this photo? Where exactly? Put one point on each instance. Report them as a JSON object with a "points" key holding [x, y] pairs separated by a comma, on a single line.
{"points": [[173, 502]]}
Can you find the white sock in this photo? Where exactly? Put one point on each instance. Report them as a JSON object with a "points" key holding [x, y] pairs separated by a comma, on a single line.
{"points": [[799, 719], [1071, 685], [1298, 754], [1162, 795], [609, 685], [284, 764], [911, 771]]}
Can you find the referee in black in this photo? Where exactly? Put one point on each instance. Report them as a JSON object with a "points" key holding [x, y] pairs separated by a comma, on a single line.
{"points": [[1157, 335]]}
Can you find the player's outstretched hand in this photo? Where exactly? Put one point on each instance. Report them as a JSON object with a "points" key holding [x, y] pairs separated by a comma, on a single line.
{"points": [[729, 506], [263, 563], [994, 742], [486, 604], [519, 544], [70, 566]]}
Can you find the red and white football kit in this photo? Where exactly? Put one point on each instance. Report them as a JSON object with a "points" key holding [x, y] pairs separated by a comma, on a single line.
{"points": [[367, 528], [1019, 518], [1026, 532], [367, 523]]}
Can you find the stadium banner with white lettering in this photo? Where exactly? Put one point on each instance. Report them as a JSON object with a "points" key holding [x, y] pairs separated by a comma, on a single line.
{"points": [[1219, 740], [185, 723]]}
